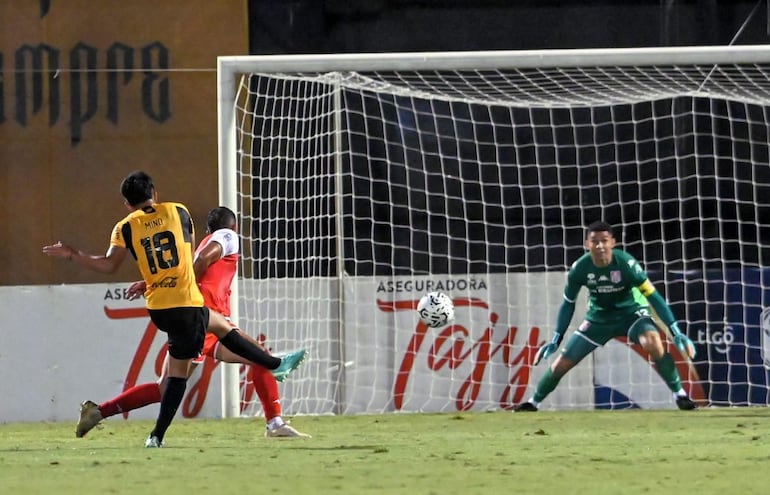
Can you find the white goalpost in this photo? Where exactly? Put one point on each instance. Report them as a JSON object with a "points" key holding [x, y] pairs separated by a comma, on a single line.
{"points": [[363, 181]]}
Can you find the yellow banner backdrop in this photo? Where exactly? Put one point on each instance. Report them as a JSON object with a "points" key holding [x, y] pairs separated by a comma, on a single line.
{"points": [[90, 91]]}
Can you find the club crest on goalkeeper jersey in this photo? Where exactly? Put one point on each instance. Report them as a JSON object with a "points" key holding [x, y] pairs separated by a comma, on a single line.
{"points": [[159, 238], [614, 291]]}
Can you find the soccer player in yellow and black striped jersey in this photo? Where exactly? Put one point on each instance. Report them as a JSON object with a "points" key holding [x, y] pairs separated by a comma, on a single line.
{"points": [[161, 238]]}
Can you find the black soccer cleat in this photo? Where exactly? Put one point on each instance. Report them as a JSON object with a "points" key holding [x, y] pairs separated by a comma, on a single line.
{"points": [[525, 407], [685, 403]]}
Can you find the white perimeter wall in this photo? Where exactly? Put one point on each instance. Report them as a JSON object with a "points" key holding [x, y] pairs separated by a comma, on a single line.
{"points": [[60, 345]]}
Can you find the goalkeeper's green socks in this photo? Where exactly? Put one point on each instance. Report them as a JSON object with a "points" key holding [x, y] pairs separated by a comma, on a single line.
{"points": [[667, 371], [545, 386]]}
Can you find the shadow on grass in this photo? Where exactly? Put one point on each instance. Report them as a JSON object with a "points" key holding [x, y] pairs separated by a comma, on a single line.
{"points": [[53, 450], [293, 446], [336, 447]]}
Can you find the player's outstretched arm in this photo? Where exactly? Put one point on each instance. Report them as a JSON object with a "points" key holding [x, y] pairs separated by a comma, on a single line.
{"points": [[566, 310], [682, 341], [108, 263], [547, 349]]}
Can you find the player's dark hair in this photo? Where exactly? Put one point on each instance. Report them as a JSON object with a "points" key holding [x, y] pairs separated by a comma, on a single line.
{"points": [[137, 188], [600, 226], [220, 217]]}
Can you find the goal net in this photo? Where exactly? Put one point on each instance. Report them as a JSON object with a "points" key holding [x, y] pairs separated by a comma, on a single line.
{"points": [[364, 181]]}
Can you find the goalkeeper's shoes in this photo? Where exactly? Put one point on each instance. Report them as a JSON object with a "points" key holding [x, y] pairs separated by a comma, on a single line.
{"points": [[153, 442], [90, 416], [285, 431], [289, 363], [685, 403], [525, 407]]}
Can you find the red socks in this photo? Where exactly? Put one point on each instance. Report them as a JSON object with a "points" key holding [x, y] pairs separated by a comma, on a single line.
{"points": [[149, 393], [133, 398], [267, 389]]}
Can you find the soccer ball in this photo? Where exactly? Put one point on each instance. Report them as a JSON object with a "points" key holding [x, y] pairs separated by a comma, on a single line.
{"points": [[436, 309]]}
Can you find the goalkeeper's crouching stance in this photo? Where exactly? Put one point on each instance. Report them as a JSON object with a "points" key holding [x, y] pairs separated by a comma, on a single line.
{"points": [[619, 295]]}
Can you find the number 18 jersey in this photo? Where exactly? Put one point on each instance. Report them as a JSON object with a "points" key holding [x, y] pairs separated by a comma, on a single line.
{"points": [[159, 238]]}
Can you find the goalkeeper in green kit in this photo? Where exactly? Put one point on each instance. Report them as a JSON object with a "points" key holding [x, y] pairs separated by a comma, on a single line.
{"points": [[619, 296]]}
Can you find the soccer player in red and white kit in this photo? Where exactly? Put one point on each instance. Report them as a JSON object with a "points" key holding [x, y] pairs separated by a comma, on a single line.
{"points": [[216, 262]]}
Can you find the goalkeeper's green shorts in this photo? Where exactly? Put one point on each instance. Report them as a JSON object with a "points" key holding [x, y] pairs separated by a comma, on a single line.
{"points": [[591, 335]]}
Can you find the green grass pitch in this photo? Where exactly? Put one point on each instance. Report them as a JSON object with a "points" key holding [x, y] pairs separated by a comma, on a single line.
{"points": [[719, 451]]}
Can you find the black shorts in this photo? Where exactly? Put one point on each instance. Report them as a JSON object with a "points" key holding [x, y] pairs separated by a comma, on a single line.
{"points": [[185, 327]]}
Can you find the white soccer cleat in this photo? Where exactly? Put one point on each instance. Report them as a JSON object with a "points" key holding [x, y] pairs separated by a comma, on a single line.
{"points": [[152, 442], [90, 416], [285, 431]]}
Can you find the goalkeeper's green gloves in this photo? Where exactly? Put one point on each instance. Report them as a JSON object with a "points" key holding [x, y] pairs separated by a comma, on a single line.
{"points": [[682, 341], [548, 349]]}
